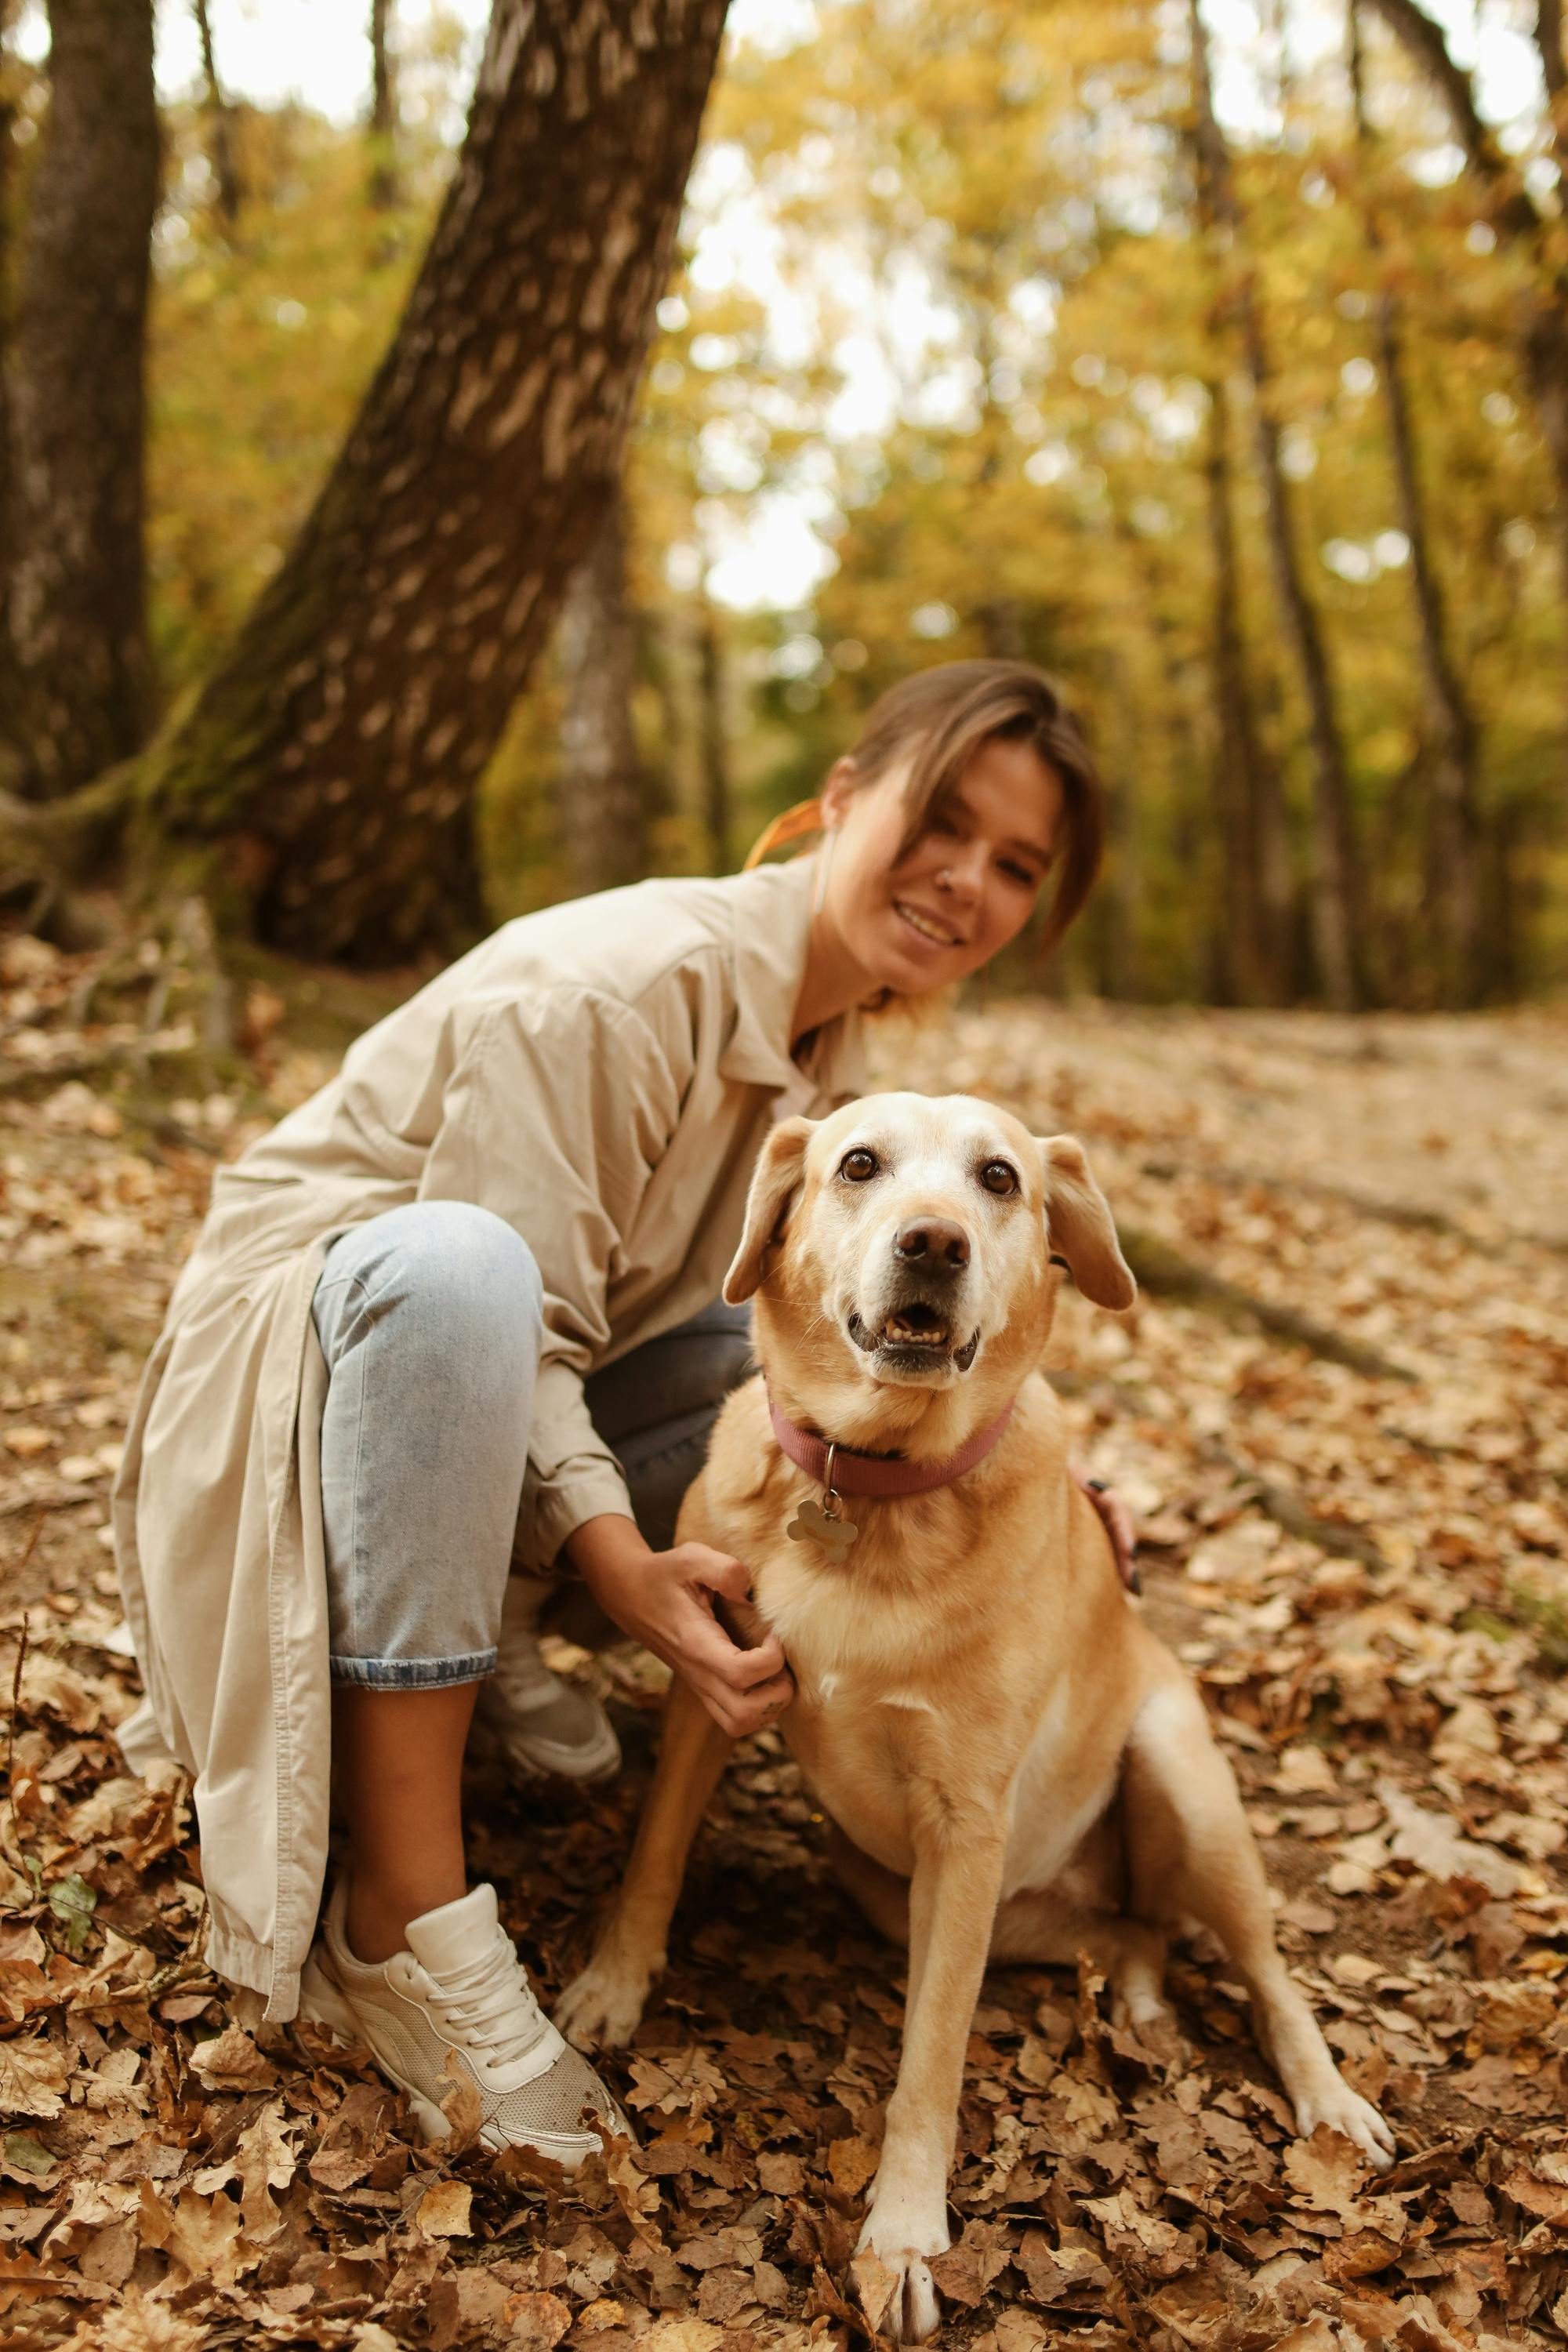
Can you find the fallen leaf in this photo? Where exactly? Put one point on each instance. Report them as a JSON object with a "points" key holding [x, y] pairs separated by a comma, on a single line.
{"points": [[1434, 1846], [264, 2161], [444, 2210], [32, 2077], [851, 2163], [231, 2062], [1328, 2169], [874, 2287]]}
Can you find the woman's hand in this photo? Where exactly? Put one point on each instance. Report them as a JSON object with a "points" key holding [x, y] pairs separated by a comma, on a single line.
{"points": [[665, 1599], [1118, 1522]]}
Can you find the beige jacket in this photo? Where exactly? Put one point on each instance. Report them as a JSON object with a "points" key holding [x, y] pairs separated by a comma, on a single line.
{"points": [[601, 1075]]}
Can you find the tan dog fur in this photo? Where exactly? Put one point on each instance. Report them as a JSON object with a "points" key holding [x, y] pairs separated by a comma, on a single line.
{"points": [[1017, 1768]]}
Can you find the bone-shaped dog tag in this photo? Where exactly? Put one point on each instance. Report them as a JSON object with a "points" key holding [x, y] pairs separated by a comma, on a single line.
{"points": [[812, 1524]]}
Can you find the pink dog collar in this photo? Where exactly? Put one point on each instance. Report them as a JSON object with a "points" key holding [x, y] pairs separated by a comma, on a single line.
{"points": [[877, 1475]]}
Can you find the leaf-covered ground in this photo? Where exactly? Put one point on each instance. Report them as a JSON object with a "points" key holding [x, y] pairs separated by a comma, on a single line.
{"points": [[1357, 1543]]}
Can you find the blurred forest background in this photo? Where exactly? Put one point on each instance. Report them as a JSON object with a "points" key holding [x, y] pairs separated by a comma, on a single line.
{"points": [[1216, 360]]}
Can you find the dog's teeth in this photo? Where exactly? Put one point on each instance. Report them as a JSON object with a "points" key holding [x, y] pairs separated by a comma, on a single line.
{"points": [[897, 1328]]}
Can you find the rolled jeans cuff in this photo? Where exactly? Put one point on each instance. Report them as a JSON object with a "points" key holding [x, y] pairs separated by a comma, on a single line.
{"points": [[412, 1674]]}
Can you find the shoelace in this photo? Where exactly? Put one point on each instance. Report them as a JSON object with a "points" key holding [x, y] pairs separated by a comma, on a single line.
{"points": [[490, 2001]]}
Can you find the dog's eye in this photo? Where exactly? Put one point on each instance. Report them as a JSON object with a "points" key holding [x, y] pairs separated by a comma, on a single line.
{"points": [[998, 1177], [858, 1165]]}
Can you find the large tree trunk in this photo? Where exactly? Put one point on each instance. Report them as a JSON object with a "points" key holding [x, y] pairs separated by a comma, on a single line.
{"points": [[336, 750], [1453, 858], [76, 592], [604, 819], [1515, 216], [1250, 805], [1334, 895]]}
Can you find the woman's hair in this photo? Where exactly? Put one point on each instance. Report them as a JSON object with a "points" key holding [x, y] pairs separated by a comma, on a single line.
{"points": [[936, 721]]}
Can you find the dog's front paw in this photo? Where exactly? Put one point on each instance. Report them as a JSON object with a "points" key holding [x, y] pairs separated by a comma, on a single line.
{"points": [[891, 2270], [1345, 2110], [603, 2005]]}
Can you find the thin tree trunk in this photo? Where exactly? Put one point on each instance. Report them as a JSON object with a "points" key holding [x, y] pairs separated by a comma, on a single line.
{"points": [[1001, 628], [603, 815], [658, 650], [75, 597], [1333, 849], [1250, 805], [1180, 761], [1453, 853], [1513, 214], [1554, 73], [220, 124], [338, 748], [713, 741], [1121, 946], [383, 187]]}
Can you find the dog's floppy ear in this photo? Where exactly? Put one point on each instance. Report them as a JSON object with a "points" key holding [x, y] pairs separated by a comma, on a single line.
{"points": [[774, 1178], [1080, 1225]]}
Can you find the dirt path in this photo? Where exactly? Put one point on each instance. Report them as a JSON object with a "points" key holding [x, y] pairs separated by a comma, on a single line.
{"points": [[1387, 1683]]}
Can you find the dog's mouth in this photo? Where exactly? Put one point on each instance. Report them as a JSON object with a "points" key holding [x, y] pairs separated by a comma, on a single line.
{"points": [[913, 1335]]}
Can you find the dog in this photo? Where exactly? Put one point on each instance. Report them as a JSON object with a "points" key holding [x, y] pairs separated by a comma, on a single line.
{"points": [[1015, 1767]]}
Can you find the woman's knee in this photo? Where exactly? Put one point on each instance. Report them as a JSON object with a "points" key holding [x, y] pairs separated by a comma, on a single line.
{"points": [[452, 1280]]}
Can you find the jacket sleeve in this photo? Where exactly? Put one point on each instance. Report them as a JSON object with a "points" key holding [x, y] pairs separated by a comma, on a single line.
{"points": [[559, 1108]]}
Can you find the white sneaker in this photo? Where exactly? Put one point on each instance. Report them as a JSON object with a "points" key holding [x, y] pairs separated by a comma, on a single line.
{"points": [[460, 1987], [539, 1724]]}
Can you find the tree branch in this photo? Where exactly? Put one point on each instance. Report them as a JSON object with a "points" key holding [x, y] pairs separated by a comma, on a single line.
{"points": [[1424, 41]]}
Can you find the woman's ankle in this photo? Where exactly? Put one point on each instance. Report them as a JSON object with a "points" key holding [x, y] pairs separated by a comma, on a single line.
{"points": [[376, 1919]]}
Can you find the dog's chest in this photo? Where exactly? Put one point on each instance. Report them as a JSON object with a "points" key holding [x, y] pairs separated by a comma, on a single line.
{"points": [[869, 1721], [834, 1633]]}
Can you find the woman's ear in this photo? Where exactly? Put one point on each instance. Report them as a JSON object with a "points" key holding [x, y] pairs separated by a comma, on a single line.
{"points": [[774, 1179], [1080, 1225], [834, 797]]}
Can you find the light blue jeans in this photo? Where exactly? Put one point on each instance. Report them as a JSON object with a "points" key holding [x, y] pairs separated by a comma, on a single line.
{"points": [[429, 1318]]}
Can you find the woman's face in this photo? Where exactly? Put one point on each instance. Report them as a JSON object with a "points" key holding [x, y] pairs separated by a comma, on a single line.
{"points": [[967, 887]]}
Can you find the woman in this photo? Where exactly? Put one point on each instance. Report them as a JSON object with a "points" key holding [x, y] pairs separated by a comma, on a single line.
{"points": [[376, 1388]]}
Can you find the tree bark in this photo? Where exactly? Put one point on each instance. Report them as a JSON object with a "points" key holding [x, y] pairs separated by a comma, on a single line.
{"points": [[336, 751], [604, 820], [220, 124], [713, 742], [1513, 214], [1249, 804], [384, 188], [75, 594], [1334, 900], [1453, 860]]}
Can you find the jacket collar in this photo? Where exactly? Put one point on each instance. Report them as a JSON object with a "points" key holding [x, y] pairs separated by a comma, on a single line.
{"points": [[771, 907]]}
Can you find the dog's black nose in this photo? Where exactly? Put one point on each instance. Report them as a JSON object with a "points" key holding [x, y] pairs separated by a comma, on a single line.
{"points": [[935, 1242]]}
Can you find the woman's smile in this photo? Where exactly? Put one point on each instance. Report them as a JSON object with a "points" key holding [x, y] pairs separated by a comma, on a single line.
{"points": [[929, 928]]}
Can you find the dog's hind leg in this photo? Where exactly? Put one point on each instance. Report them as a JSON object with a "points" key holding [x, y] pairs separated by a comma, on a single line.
{"points": [[881, 1894], [1191, 1853], [604, 2001], [1031, 1928], [1038, 1926]]}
